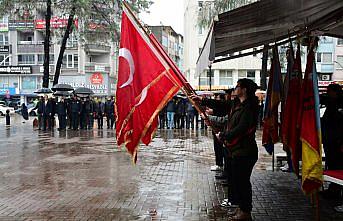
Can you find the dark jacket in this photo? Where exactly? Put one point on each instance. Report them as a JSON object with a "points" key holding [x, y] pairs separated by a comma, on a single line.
{"points": [[75, 106], [61, 108], [109, 108], [24, 112], [171, 106], [40, 107], [243, 118]]}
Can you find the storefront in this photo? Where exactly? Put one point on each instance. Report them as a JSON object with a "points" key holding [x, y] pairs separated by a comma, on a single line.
{"points": [[96, 81]]}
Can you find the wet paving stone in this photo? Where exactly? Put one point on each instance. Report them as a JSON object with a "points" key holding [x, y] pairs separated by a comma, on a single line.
{"points": [[83, 175]]}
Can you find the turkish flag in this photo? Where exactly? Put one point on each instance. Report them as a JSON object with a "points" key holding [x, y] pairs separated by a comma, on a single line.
{"points": [[145, 84]]}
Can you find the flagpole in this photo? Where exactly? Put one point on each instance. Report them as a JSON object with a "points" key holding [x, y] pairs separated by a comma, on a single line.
{"points": [[187, 88]]}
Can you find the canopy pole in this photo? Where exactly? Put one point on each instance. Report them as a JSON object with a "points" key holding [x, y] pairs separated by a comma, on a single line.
{"points": [[264, 68], [210, 73]]}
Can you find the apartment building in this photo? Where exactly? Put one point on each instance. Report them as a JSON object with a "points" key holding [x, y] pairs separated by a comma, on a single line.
{"points": [[171, 41], [224, 74], [86, 63]]}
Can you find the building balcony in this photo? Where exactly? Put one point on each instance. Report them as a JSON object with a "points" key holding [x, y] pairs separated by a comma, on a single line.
{"points": [[97, 48], [32, 47], [94, 67]]}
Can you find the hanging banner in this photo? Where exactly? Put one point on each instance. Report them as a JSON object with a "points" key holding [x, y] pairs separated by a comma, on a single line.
{"points": [[55, 23]]}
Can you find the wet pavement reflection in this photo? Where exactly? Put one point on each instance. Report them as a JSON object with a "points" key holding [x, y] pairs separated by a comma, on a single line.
{"points": [[83, 175]]}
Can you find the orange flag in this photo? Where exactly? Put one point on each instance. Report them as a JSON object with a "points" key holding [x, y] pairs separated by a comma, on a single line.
{"points": [[312, 171], [145, 84]]}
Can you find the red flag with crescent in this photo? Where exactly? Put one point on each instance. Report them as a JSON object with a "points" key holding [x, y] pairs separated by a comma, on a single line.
{"points": [[145, 84]]}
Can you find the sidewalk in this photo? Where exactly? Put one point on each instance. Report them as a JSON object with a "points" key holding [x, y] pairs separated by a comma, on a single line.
{"points": [[81, 175]]}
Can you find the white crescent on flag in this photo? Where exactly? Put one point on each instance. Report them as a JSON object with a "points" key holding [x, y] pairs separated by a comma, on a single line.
{"points": [[125, 53]]}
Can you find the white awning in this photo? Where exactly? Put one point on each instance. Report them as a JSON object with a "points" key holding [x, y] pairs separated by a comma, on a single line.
{"points": [[269, 21]]}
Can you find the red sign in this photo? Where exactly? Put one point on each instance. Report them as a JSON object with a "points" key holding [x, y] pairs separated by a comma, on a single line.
{"points": [[96, 78], [55, 23]]}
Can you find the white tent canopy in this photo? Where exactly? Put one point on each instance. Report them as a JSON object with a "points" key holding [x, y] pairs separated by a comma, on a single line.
{"points": [[269, 21]]}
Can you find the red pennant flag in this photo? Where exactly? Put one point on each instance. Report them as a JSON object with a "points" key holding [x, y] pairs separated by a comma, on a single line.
{"points": [[145, 84], [290, 125]]}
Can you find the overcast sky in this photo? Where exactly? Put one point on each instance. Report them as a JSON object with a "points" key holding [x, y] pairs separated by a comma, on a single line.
{"points": [[165, 12]]}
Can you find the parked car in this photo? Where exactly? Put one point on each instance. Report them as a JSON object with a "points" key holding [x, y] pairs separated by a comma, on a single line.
{"points": [[30, 110], [3, 109]]}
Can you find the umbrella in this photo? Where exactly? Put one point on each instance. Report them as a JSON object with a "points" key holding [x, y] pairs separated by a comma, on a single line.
{"points": [[62, 87], [43, 91], [83, 91], [82, 95], [62, 93]]}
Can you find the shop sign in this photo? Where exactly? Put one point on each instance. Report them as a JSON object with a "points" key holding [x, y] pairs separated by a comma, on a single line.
{"points": [[55, 23], [3, 27], [7, 91], [20, 24], [4, 49], [324, 83], [96, 78], [80, 81], [15, 70]]}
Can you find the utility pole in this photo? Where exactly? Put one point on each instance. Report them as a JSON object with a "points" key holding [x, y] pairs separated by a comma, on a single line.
{"points": [[210, 76], [264, 68], [47, 45]]}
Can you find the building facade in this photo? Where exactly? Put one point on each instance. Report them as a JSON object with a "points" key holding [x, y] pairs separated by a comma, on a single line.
{"points": [[224, 74], [171, 41], [85, 63]]}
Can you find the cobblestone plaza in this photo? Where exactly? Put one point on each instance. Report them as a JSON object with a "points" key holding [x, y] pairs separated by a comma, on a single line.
{"points": [[81, 175]]}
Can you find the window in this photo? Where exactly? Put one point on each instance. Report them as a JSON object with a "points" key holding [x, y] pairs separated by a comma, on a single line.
{"points": [[164, 41], [205, 78], [72, 41], [200, 30], [28, 82], [225, 77], [70, 61], [41, 59], [3, 39], [339, 62], [250, 74], [26, 59], [319, 57], [340, 41], [4, 60], [327, 57]]}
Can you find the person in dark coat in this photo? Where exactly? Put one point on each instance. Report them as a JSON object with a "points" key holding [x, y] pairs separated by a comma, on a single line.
{"points": [[75, 112], [40, 107], [332, 133], [24, 112], [92, 114], [100, 109], [171, 107], [163, 117], [239, 137], [83, 114], [109, 110], [61, 110], [50, 109], [8, 118], [190, 113]]}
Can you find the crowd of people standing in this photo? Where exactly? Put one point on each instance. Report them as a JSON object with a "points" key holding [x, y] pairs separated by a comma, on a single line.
{"points": [[74, 113]]}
